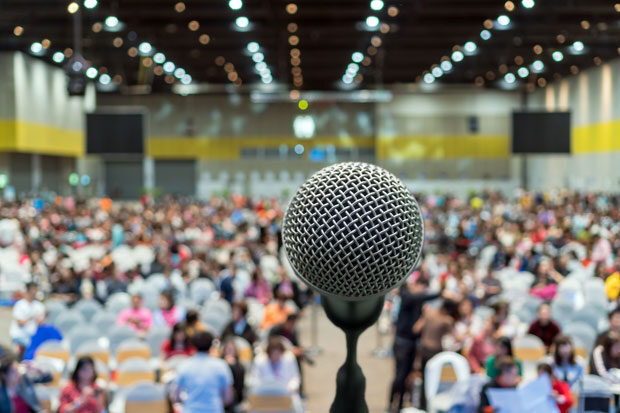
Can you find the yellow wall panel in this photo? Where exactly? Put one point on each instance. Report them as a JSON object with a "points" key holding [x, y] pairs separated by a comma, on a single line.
{"points": [[600, 137], [442, 147], [29, 137]]}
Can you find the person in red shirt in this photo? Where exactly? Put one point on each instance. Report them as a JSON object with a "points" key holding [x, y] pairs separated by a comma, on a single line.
{"points": [[561, 390], [81, 394], [543, 327], [178, 344]]}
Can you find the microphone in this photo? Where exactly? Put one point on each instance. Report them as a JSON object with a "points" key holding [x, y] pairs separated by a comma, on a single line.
{"points": [[352, 232]]}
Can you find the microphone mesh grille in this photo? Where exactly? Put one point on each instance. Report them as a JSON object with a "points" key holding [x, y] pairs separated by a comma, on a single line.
{"points": [[353, 230]]}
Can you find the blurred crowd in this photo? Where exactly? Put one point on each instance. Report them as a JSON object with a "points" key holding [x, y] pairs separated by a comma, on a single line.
{"points": [[74, 251], [477, 246]]}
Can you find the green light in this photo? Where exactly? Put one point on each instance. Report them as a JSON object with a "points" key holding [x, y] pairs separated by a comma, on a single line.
{"points": [[74, 179], [303, 104], [3, 180]]}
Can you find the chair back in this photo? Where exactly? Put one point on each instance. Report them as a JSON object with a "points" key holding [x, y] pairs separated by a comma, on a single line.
{"points": [[156, 337], [132, 348], [118, 302], [88, 308], [265, 403], [529, 348], [146, 398], [82, 334], [436, 373], [67, 320], [134, 371], [104, 321], [118, 334], [94, 350], [54, 349]]}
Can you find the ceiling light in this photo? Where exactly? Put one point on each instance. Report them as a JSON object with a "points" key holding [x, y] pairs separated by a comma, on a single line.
{"points": [[347, 79], [58, 57], [299, 149], [267, 79], [485, 34], [376, 4], [372, 21], [509, 78], [235, 4], [437, 72], [91, 72], [538, 66], [193, 25], [159, 58], [242, 22], [503, 20], [509, 5], [169, 67], [105, 79], [73, 7], [428, 78], [179, 7], [578, 46], [258, 57], [357, 57], [18, 30], [457, 56], [179, 73], [253, 47], [291, 8], [528, 4], [90, 4], [111, 21], [523, 72], [470, 47], [36, 48], [446, 66], [557, 56], [186, 79], [145, 48], [260, 66], [354, 67]]}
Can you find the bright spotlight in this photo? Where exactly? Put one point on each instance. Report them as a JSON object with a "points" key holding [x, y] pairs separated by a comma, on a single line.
{"points": [[353, 67], [90, 4], [357, 57], [91, 72], [111, 21], [186, 79], [169, 67], [437, 72], [538, 66], [372, 21], [428, 78], [159, 58], [73, 7], [105, 79], [58, 57], [235, 4], [179, 73], [258, 57], [509, 78], [503, 20], [347, 79], [446, 66], [260, 66], [485, 34], [145, 48], [267, 79], [523, 72], [528, 4], [457, 56], [470, 47], [299, 149], [376, 5], [578, 46], [253, 47], [557, 56], [36, 48], [242, 22]]}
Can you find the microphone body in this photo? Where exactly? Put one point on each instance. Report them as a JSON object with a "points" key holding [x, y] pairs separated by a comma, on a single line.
{"points": [[352, 232]]}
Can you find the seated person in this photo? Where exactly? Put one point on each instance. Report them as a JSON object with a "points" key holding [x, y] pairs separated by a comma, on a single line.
{"points": [[543, 327], [239, 325], [168, 314], [193, 324], [507, 377], [81, 394], [28, 313], [277, 366], [178, 344], [566, 366], [231, 357], [561, 390], [482, 347], [503, 347], [137, 317], [276, 312], [16, 392], [605, 358]]}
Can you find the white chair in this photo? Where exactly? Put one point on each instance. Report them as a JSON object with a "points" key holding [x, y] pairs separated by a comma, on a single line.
{"points": [[586, 333], [54, 308], [118, 334], [81, 334], [529, 348], [88, 308], [118, 302], [133, 371], [156, 337], [132, 348], [440, 374], [104, 321], [146, 398], [94, 349], [201, 290], [256, 312], [66, 320]]}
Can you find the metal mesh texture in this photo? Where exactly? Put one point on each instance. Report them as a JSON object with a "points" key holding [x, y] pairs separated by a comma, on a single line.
{"points": [[353, 230]]}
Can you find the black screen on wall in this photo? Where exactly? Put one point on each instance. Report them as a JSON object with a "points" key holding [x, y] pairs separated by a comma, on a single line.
{"points": [[114, 133], [541, 132]]}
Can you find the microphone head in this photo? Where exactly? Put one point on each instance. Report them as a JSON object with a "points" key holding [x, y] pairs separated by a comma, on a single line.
{"points": [[353, 231]]}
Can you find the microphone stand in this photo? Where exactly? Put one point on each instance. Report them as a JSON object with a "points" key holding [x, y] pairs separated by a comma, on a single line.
{"points": [[352, 317]]}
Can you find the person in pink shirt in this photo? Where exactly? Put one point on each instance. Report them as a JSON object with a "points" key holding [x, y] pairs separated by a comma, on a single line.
{"points": [[168, 314], [137, 317], [259, 288]]}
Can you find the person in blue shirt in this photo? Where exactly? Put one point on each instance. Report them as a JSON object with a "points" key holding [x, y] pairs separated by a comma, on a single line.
{"points": [[204, 383]]}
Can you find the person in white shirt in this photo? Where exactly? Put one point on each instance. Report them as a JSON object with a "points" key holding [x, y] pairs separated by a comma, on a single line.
{"points": [[277, 367], [28, 313]]}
